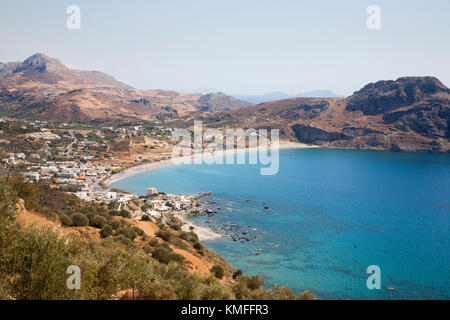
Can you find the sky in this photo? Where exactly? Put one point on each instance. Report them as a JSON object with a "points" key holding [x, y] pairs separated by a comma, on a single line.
{"points": [[241, 47]]}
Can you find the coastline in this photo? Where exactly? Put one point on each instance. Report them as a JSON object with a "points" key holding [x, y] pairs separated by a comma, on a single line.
{"points": [[203, 233], [140, 168]]}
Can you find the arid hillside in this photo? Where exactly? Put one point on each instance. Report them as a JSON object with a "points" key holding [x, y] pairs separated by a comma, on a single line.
{"points": [[409, 114], [41, 87]]}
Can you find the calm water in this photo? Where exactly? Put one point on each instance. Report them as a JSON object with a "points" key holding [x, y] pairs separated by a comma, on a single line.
{"points": [[331, 214]]}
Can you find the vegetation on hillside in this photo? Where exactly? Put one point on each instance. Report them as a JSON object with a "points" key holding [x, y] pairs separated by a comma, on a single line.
{"points": [[34, 261]]}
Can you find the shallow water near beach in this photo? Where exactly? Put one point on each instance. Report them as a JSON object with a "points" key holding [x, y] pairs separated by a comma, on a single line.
{"points": [[325, 217]]}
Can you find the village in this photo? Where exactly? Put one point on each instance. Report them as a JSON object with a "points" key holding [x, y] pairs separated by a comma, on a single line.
{"points": [[64, 160]]}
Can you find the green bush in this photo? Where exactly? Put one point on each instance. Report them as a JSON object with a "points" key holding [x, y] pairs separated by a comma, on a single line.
{"points": [[254, 282], [145, 217], [113, 212], [80, 220], [127, 232], [153, 242], [124, 213], [114, 224], [123, 240], [138, 231], [218, 271], [162, 253], [237, 273], [306, 295], [189, 236], [282, 293], [166, 235], [106, 231], [65, 220], [198, 246], [97, 221]]}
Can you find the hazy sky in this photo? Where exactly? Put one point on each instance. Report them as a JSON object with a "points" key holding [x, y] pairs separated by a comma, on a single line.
{"points": [[240, 46]]}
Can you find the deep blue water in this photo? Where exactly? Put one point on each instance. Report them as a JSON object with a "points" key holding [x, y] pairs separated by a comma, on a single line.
{"points": [[331, 214]]}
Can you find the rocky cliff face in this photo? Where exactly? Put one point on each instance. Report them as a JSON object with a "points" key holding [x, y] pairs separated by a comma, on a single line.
{"points": [[313, 135], [408, 114], [384, 96], [417, 104]]}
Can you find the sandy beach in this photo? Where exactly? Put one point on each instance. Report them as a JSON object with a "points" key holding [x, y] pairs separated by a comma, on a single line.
{"points": [[203, 233]]}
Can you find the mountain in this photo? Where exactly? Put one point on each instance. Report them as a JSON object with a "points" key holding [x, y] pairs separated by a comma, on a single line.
{"points": [[220, 101], [408, 114], [274, 96], [318, 94], [42, 87]]}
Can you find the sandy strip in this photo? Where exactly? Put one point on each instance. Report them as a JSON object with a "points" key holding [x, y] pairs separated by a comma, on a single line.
{"points": [[165, 163], [203, 233]]}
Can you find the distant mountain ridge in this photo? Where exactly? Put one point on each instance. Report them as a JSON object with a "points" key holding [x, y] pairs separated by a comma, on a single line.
{"points": [[274, 96], [42, 87]]}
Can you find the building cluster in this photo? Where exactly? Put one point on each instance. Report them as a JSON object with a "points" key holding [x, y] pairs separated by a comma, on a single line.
{"points": [[43, 135], [83, 177], [12, 157], [158, 205]]}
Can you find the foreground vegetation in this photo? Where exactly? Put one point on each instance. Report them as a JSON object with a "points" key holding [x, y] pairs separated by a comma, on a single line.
{"points": [[34, 261]]}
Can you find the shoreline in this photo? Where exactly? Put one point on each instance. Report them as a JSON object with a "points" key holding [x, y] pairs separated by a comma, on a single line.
{"points": [[203, 233], [140, 168]]}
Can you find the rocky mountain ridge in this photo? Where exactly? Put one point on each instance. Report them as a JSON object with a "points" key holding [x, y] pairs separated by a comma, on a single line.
{"points": [[43, 88], [408, 114]]}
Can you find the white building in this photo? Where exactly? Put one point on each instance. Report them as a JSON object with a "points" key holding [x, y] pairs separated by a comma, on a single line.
{"points": [[151, 191]]}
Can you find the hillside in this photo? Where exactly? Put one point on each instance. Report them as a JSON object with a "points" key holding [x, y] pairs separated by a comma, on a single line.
{"points": [[44, 230], [41, 87], [409, 114]]}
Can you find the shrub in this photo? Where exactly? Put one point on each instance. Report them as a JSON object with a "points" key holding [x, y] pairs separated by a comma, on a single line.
{"points": [[218, 271], [148, 249], [106, 231], [113, 213], [80, 220], [237, 273], [97, 221], [198, 245], [162, 253], [65, 220], [138, 231], [124, 240], [153, 242], [254, 282], [127, 232], [115, 224], [189, 236], [178, 258], [124, 213], [145, 217], [306, 295], [166, 235], [174, 226], [282, 293]]}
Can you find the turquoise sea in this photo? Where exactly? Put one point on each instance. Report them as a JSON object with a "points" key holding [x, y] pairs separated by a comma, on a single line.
{"points": [[326, 216]]}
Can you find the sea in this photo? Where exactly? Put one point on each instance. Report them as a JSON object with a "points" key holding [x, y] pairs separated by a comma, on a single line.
{"points": [[326, 218]]}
